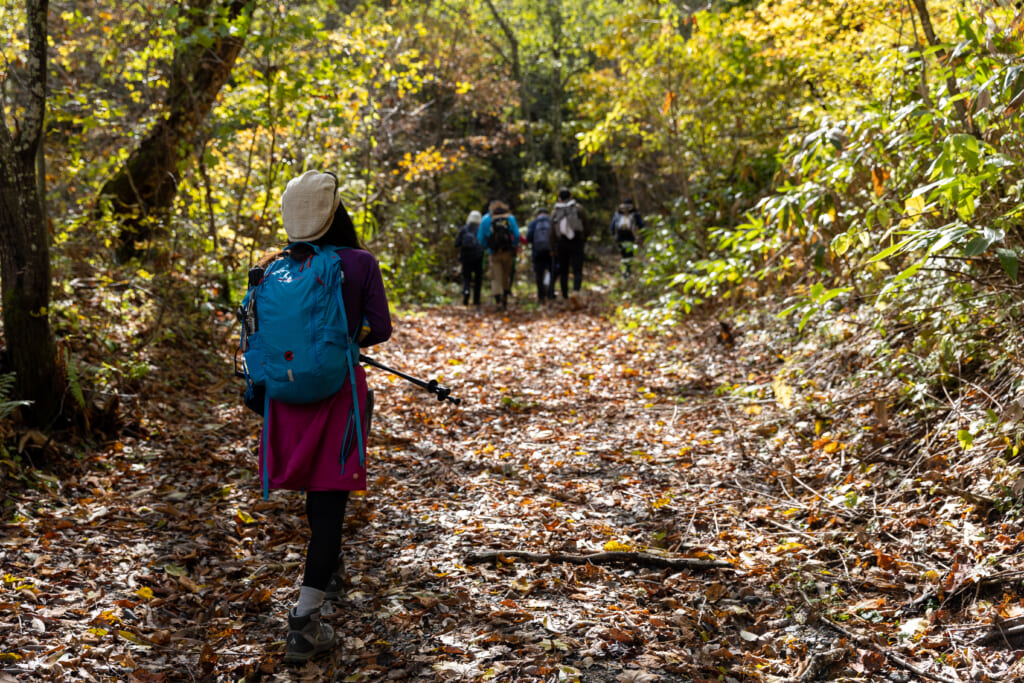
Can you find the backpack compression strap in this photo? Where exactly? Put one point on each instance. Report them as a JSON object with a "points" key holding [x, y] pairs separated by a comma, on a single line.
{"points": [[353, 360]]}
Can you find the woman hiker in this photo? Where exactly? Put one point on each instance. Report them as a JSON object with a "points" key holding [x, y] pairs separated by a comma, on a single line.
{"points": [[305, 447]]}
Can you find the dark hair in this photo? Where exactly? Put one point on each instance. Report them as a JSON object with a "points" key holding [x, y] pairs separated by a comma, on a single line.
{"points": [[342, 232], [563, 193]]}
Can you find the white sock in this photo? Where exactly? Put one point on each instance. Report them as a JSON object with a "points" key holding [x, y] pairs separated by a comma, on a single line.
{"points": [[310, 600]]}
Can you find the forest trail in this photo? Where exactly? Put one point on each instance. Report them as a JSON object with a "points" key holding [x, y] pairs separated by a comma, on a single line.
{"points": [[573, 436]]}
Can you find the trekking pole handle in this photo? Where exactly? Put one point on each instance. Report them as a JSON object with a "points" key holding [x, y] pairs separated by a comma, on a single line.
{"points": [[442, 393]]}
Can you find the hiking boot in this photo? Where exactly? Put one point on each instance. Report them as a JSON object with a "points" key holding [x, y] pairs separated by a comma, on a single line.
{"points": [[336, 584], [307, 637]]}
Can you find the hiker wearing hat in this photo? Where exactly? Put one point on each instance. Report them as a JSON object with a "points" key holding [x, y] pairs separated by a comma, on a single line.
{"points": [[311, 447], [499, 233], [625, 228], [570, 232], [471, 255]]}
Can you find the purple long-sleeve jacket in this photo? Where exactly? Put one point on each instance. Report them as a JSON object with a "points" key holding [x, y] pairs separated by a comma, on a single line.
{"points": [[312, 447]]}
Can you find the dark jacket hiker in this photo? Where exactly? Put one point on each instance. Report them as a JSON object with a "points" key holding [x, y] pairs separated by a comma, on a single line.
{"points": [[540, 237], [471, 255]]}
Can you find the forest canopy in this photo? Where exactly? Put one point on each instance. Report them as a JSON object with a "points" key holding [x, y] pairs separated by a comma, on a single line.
{"points": [[835, 157]]}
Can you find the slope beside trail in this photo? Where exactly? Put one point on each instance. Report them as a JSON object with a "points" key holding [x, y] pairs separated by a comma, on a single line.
{"points": [[161, 562]]}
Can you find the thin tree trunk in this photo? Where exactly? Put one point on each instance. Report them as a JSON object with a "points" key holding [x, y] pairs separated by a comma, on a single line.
{"points": [[24, 239], [555, 18], [143, 190], [517, 75], [954, 90]]}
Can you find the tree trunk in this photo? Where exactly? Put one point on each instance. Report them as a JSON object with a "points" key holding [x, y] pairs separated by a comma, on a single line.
{"points": [[517, 75], [555, 19], [951, 85], [144, 189], [24, 239]]}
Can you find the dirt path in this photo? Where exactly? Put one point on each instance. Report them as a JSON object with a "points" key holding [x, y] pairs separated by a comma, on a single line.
{"points": [[573, 437]]}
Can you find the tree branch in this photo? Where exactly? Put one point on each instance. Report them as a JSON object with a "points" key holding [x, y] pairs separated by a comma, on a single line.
{"points": [[615, 557]]}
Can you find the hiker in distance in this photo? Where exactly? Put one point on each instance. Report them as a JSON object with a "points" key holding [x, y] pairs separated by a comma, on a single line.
{"points": [[499, 232], [625, 228], [318, 446], [539, 237], [471, 256], [570, 230]]}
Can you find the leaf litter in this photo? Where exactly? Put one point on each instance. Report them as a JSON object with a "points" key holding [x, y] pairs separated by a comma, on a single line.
{"points": [[834, 550]]}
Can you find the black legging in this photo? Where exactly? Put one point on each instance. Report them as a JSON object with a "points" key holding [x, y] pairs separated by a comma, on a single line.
{"points": [[325, 511], [570, 256], [472, 279], [544, 264]]}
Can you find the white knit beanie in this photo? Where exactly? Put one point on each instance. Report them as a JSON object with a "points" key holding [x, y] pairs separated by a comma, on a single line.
{"points": [[308, 205], [474, 218]]}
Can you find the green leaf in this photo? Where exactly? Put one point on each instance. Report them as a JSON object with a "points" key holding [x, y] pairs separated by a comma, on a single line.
{"points": [[977, 246], [841, 243], [833, 293], [785, 312], [967, 146], [804, 320], [889, 251], [965, 438], [1008, 259], [908, 272]]}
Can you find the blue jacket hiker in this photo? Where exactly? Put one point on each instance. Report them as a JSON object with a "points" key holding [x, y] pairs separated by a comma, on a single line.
{"points": [[499, 233]]}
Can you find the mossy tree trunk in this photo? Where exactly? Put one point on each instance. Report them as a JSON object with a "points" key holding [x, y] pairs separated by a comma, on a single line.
{"points": [[144, 189], [24, 238]]}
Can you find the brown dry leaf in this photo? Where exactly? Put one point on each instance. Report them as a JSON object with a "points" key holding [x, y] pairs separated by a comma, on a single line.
{"points": [[617, 635]]}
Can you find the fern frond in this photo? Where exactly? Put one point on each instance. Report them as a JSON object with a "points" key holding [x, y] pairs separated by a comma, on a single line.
{"points": [[6, 386], [74, 381]]}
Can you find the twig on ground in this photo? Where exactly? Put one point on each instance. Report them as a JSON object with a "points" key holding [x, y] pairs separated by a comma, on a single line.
{"points": [[864, 641], [614, 557], [999, 632], [819, 662], [982, 582]]}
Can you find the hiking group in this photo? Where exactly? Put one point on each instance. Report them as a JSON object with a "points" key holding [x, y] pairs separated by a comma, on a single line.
{"points": [[557, 240]]}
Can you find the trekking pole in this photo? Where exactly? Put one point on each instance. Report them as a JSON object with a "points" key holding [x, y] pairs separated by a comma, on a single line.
{"points": [[443, 393]]}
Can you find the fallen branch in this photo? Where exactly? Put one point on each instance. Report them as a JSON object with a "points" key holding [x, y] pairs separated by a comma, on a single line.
{"points": [[864, 641], [819, 662], [613, 557], [1011, 628], [978, 583]]}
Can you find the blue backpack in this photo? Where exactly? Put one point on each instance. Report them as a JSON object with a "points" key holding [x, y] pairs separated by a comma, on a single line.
{"points": [[542, 233], [295, 337]]}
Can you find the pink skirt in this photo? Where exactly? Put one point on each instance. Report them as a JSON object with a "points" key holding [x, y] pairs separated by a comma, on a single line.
{"points": [[315, 446]]}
